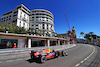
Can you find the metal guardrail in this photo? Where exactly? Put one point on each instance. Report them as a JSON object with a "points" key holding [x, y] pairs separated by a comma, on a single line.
{"points": [[26, 50]]}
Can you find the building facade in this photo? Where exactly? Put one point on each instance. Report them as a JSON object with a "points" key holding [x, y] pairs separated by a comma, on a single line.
{"points": [[18, 16], [41, 19]]}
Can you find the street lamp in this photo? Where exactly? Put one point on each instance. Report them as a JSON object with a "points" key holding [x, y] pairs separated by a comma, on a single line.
{"points": [[33, 32]]}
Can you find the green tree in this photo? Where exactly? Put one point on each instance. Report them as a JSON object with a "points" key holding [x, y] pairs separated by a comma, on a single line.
{"points": [[87, 36], [91, 33], [12, 28], [82, 34], [41, 32]]}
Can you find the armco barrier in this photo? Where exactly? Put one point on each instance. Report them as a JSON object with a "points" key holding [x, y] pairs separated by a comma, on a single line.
{"points": [[4, 52]]}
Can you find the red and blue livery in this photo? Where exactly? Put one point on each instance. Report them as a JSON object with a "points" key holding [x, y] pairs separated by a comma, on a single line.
{"points": [[45, 54]]}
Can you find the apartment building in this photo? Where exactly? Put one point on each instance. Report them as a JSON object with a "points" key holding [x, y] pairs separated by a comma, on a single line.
{"points": [[18, 16], [39, 19]]}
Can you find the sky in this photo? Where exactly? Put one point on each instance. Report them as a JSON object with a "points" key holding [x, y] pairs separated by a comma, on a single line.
{"points": [[84, 15]]}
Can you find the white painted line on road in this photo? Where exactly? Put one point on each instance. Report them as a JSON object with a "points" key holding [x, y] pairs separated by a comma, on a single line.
{"points": [[82, 61], [77, 64], [0, 62], [86, 57], [9, 60]]}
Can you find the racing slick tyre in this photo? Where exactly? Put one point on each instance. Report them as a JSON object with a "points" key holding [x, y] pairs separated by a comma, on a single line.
{"points": [[32, 55], [42, 59], [56, 55], [64, 53]]}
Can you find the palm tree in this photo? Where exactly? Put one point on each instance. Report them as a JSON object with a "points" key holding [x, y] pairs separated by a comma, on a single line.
{"points": [[82, 34], [91, 33]]}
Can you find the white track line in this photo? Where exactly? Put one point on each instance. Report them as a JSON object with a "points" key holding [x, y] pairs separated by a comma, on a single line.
{"points": [[86, 57], [77, 64]]}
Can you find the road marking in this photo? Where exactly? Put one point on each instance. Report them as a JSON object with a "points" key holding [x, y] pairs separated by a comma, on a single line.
{"points": [[82, 61], [86, 57], [0, 62], [9, 60], [77, 64]]}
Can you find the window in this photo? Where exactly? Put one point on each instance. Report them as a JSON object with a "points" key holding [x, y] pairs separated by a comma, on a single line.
{"points": [[37, 14], [36, 25], [36, 28], [43, 14], [23, 24], [14, 21], [42, 11], [20, 16], [33, 14], [15, 12], [10, 16], [37, 17], [43, 24], [14, 15], [20, 24], [43, 27]]}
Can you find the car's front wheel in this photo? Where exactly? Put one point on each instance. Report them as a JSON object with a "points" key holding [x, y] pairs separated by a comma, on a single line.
{"points": [[64, 53], [56, 55]]}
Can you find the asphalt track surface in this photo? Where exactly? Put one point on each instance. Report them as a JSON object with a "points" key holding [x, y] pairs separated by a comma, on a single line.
{"points": [[82, 55]]}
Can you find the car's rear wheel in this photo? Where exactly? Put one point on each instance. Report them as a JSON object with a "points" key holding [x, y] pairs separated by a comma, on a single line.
{"points": [[42, 59], [32, 57]]}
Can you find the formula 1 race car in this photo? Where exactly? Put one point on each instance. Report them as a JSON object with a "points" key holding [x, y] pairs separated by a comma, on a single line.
{"points": [[45, 54]]}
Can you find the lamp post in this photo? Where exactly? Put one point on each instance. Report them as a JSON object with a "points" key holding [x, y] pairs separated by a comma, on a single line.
{"points": [[33, 31]]}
